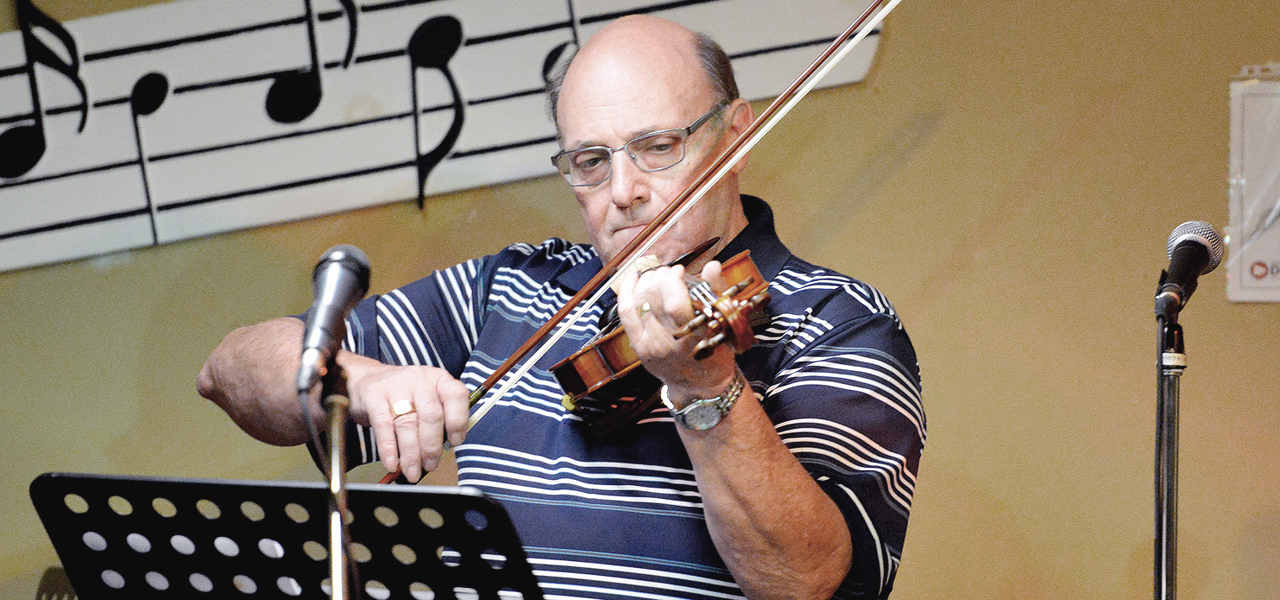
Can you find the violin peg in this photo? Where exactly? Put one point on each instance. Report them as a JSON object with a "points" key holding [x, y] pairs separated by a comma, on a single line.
{"points": [[704, 348], [696, 322], [738, 287]]}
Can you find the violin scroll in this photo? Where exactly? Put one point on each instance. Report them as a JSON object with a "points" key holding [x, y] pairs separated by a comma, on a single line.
{"points": [[728, 318]]}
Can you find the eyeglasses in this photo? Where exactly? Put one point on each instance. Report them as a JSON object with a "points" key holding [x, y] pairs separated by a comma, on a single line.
{"points": [[650, 152]]}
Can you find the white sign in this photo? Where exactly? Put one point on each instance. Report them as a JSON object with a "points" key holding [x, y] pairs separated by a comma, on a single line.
{"points": [[196, 117], [1253, 238]]}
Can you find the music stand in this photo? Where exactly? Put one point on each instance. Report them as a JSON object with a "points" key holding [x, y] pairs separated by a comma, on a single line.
{"points": [[149, 537]]}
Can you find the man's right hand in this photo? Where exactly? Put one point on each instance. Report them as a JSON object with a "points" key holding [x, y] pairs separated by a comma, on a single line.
{"points": [[251, 376], [432, 407]]}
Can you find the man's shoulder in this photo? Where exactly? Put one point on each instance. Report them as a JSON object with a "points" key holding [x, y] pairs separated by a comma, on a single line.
{"points": [[552, 254], [804, 286]]}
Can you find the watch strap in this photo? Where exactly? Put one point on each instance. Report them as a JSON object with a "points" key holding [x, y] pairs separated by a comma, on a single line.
{"points": [[723, 403]]}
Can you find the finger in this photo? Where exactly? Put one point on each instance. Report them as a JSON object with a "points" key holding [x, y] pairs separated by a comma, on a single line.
{"points": [[713, 273], [406, 440], [627, 292], [457, 409], [628, 311], [430, 433], [673, 296], [381, 420]]}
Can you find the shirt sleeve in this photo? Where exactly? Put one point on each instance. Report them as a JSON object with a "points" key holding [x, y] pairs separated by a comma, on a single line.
{"points": [[847, 404]]}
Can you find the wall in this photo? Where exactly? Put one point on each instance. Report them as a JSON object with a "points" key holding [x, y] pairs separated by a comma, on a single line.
{"points": [[1008, 176]]}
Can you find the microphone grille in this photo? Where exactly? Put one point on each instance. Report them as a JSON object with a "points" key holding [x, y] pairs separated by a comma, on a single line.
{"points": [[1202, 233], [346, 252], [347, 257]]}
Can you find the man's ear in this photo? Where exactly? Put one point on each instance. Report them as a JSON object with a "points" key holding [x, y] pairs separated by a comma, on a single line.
{"points": [[739, 116]]}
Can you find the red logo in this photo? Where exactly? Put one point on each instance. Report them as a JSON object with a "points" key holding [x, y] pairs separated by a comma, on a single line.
{"points": [[1259, 270]]}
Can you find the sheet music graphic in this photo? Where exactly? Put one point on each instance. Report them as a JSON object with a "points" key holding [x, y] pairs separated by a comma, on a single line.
{"points": [[198, 117]]}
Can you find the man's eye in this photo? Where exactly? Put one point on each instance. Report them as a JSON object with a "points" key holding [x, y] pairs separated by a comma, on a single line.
{"points": [[587, 161], [663, 144]]}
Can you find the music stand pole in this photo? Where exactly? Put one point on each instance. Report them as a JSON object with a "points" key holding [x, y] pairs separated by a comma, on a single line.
{"points": [[1172, 360], [336, 408]]}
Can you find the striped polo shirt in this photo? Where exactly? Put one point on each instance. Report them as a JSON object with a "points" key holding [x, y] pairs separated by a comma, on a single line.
{"points": [[623, 518]]}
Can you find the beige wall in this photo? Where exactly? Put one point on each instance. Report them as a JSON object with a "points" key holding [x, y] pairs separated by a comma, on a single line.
{"points": [[1008, 176]]}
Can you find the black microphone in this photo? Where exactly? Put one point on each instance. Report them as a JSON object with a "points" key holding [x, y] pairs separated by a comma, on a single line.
{"points": [[340, 280], [1195, 249]]}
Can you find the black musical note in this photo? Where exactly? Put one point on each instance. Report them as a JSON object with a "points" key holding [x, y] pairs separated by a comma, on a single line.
{"points": [[349, 7], [562, 51], [294, 96], [431, 46], [149, 92], [22, 147]]}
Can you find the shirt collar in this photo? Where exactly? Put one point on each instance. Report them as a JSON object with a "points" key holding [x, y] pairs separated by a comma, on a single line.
{"points": [[767, 251]]}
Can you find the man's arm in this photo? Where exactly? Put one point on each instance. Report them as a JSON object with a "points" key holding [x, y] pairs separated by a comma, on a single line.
{"points": [[251, 376], [778, 532]]}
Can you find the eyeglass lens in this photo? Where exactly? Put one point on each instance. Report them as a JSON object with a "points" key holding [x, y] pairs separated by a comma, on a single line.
{"points": [[650, 152]]}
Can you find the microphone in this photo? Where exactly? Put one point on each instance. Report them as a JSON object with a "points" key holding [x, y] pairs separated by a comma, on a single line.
{"points": [[1195, 249], [340, 280]]}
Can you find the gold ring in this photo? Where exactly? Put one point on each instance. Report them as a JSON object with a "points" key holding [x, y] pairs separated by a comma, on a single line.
{"points": [[644, 308], [403, 408]]}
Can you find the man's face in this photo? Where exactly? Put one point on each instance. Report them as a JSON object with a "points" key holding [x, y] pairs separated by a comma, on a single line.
{"points": [[611, 97]]}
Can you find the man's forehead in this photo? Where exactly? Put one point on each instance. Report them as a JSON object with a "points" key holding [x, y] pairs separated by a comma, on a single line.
{"points": [[604, 104]]}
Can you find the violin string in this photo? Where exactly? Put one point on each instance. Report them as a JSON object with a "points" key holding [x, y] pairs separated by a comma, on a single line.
{"points": [[482, 405]]}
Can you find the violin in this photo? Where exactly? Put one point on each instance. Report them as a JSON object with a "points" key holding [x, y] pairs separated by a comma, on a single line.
{"points": [[606, 385]]}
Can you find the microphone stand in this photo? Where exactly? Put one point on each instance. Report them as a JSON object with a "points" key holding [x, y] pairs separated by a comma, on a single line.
{"points": [[341, 574], [1171, 361]]}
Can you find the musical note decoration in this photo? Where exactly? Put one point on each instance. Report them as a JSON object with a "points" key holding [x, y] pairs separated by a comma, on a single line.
{"points": [[431, 46], [294, 96], [148, 94], [23, 146], [217, 115]]}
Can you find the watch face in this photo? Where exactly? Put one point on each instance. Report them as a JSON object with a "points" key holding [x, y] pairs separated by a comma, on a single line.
{"points": [[702, 415]]}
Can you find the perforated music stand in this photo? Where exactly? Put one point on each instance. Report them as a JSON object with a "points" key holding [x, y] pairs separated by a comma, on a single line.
{"points": [[145, 537]]}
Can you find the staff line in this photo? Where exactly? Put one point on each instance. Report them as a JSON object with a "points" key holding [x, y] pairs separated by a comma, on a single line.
{"points": [[338, 176], [793, 46], [213, 35], [76, 223], [643, 10], [291, 134], [204, 37], [94, 169]]}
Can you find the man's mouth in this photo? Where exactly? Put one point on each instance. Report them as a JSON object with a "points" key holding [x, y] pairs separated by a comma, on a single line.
{"points": [[630, 228]]}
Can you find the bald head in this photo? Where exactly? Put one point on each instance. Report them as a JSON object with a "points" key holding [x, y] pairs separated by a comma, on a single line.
{"points": [[639, 44], [638, 76]]}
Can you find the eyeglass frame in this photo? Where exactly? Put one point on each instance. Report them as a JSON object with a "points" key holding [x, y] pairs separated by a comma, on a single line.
{"points": [[684, 132]]}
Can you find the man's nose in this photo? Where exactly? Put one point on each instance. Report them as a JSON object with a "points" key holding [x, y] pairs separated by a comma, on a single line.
{"points": [[626, 181]]}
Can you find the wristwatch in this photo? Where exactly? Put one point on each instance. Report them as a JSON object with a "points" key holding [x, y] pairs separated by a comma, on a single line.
{"points": [[704, 413]]}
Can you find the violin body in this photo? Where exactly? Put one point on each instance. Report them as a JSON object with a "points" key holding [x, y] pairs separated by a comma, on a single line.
{"points": [[605, 383]]}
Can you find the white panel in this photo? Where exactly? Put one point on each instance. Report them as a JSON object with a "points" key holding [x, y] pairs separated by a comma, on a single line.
{"points": [[1253, 260], [210, 158]]}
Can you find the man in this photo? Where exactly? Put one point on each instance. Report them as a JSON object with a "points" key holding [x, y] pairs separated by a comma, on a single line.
{"points": [[789, 470]]}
